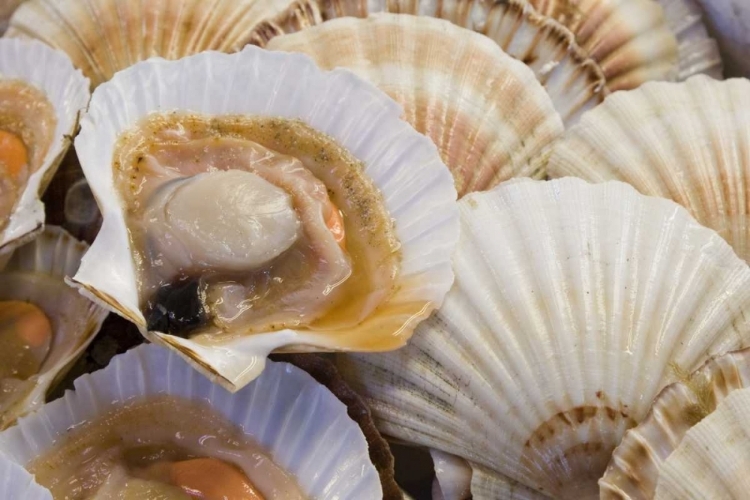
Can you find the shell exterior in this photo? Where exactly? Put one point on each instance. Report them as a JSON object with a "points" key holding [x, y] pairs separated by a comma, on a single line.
{"points": [[729, 22], [686, 141], [324, 449], [630, 39], [573, 80], [485, 111], [105, 36], [17, 483], [68, 91], [712, 460], [639, 459], [699, 53], [417, 188], [7, 7], [564, 292], [55, 254]]}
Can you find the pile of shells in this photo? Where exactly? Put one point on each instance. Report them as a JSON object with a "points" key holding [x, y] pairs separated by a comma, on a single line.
{"points": [[370, 250]]}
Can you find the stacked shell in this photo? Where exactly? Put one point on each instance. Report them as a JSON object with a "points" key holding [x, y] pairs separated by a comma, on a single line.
{"points": [[244, 213], [572, 305], [486, 113]]}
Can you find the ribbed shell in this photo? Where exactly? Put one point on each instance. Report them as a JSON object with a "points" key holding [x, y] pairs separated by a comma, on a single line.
{"points": [[638, 460], [17, 484], [630, 39], [572, 303], [686, 141], [105, 36], [417, 189], [713, 459], [729, 22], [489, 117]]}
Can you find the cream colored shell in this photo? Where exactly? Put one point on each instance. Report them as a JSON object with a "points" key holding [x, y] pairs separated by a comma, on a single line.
{"points": [[572, 303], [638, 460], [105, 36], [405, 166], [489, 117], [712, 460], [686, 141]]}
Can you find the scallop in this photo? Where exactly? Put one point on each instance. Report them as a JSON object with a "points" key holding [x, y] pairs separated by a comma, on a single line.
{"points": [[44, 324], [104, 36], [151, 424], [41, 95], [572, 305], [244, 215], [686, 141], [638, 461], [485, 111]]}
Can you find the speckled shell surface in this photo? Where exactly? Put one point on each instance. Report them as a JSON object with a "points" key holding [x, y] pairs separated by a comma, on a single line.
{"points": [[486, 113], [571, 306]]}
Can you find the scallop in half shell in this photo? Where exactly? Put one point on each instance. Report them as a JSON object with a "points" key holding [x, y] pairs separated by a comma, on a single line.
{"points": [[686, 141], [572, 305], [41, 95], [16, 482], [105, 36], [153, 424], [246, 213], [44, 324], [485, 111], [639, 460]]}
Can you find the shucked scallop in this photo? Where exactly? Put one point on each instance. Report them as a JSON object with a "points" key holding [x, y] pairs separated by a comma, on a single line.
{"points": [[152, 427], [40, 97], [245, 214]]}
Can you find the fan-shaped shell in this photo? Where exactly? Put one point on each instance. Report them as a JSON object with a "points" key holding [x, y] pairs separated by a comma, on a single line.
{"points": [[485, 111], [686, 141], [729, 23], [105, 36], [572, 303], [712, 460], [639, 459], [404, 165], [16, 482], [324, 449], [67, 90], [75, 320]]}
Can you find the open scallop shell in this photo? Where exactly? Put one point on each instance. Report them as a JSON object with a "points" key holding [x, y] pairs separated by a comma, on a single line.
{"points": [[729, 23], [712, 460], [75, 320], [417, 188], [68, 91], [485, 111], [572, 303], [17, 483], [105, 36], [638, 460], [324, 449], [686, 141]]}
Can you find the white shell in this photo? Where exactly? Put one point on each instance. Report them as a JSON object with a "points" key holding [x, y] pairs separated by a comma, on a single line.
{"points": [[729, 22], [571, 304], [57, 254], [500, 127], [686, 141], [712, 460], [324, 449], [17, 484], [637, 461], [51, 72], [417, 188]]}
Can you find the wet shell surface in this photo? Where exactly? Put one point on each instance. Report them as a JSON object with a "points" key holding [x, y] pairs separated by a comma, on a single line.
{"points": [[404, 165], [564, 292], [105, 36], [323, 449], [638, 461], [729, 23], [686, 141], [712, 460], [35, 274], [485, 111], [51, 72], [16, 482], [630, 39]]}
